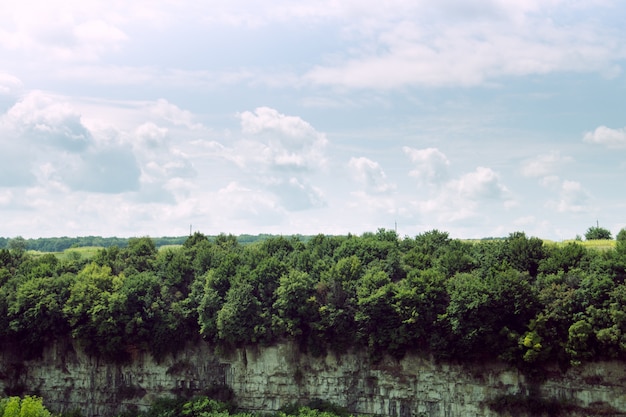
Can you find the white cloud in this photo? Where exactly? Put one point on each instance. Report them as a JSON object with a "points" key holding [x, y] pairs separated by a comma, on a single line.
{"points": [[151, 135], [571, 196], [431, 165], [550, 181], [46, 120], [467, 199], [10, 86], [370, 175], [483, 183], [278, 154], [65, 30], [173, 114], [611, 138], [544, 165], [428, 48], [236, 205], [279, 142]]}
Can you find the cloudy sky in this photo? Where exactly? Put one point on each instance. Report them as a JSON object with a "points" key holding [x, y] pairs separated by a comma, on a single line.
{"points": [[475, 117]]}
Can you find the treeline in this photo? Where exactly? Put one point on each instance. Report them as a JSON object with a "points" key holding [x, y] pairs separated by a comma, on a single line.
{"points": [[515, 299], [59, 244]]}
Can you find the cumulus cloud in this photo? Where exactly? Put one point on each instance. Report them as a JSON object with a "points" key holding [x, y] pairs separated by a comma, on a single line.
{"points": [[151, 135], [467, 198], [544, 165], [569, 196], [370, 175], [431, 165], [281, 141], [611, 138], [45, 120], [483, 183], [173, 114], [45, 142], [277, 153]]}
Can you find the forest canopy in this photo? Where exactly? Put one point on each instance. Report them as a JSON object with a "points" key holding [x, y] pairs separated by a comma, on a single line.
{"points": [[515, 299]]}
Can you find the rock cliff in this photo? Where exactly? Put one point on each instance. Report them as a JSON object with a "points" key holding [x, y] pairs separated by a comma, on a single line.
{"points": [[266, 378]]}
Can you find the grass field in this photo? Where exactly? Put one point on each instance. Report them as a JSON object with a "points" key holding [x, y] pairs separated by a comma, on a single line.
{"points": [[600, 244], [86, 252]]}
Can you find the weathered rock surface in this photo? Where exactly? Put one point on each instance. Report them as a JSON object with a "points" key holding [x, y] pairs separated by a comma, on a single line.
{"points": [[270, 377]]}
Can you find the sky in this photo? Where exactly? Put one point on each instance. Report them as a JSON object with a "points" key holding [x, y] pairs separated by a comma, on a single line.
{"points": [[478, 118]]}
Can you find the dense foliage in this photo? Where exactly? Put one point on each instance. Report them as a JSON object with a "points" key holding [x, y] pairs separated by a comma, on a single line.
{"points": [[203, 406], [516, 299], [200, 406], [23, 407]]}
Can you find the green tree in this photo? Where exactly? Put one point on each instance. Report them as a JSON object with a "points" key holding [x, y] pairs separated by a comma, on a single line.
{"points": [[487, 316], [377, 321], [29, 406], [523, 253], [336, 294], [597, 233], [93, 311], [140, 254], [238, 319], [295, 305], [419, 301], [36, 312], [18, 246]]}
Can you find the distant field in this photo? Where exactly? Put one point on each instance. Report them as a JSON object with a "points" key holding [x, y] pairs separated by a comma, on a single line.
{"points": [[599, 244], [170, 247], [85, 252]]}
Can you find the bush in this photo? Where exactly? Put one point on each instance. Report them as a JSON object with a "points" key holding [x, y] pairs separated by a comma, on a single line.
{"points": [[28, 406]]}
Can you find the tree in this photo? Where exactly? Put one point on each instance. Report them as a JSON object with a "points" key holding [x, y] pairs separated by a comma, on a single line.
{"points": [[597, 233], [18, 246], [238, 319], [295, 306], [94, 309], [26, 407], [524, 254]]}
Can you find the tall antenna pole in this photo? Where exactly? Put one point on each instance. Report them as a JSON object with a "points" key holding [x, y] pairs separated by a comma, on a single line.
{"points": [[189, 230]]}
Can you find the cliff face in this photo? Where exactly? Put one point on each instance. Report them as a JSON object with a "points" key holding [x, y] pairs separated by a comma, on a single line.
{"points": [[271, 377]]}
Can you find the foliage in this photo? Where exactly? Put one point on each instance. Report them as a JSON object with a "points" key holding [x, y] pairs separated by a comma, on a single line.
{"points": [[517, 298], [29, 406], [598, 233]]}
